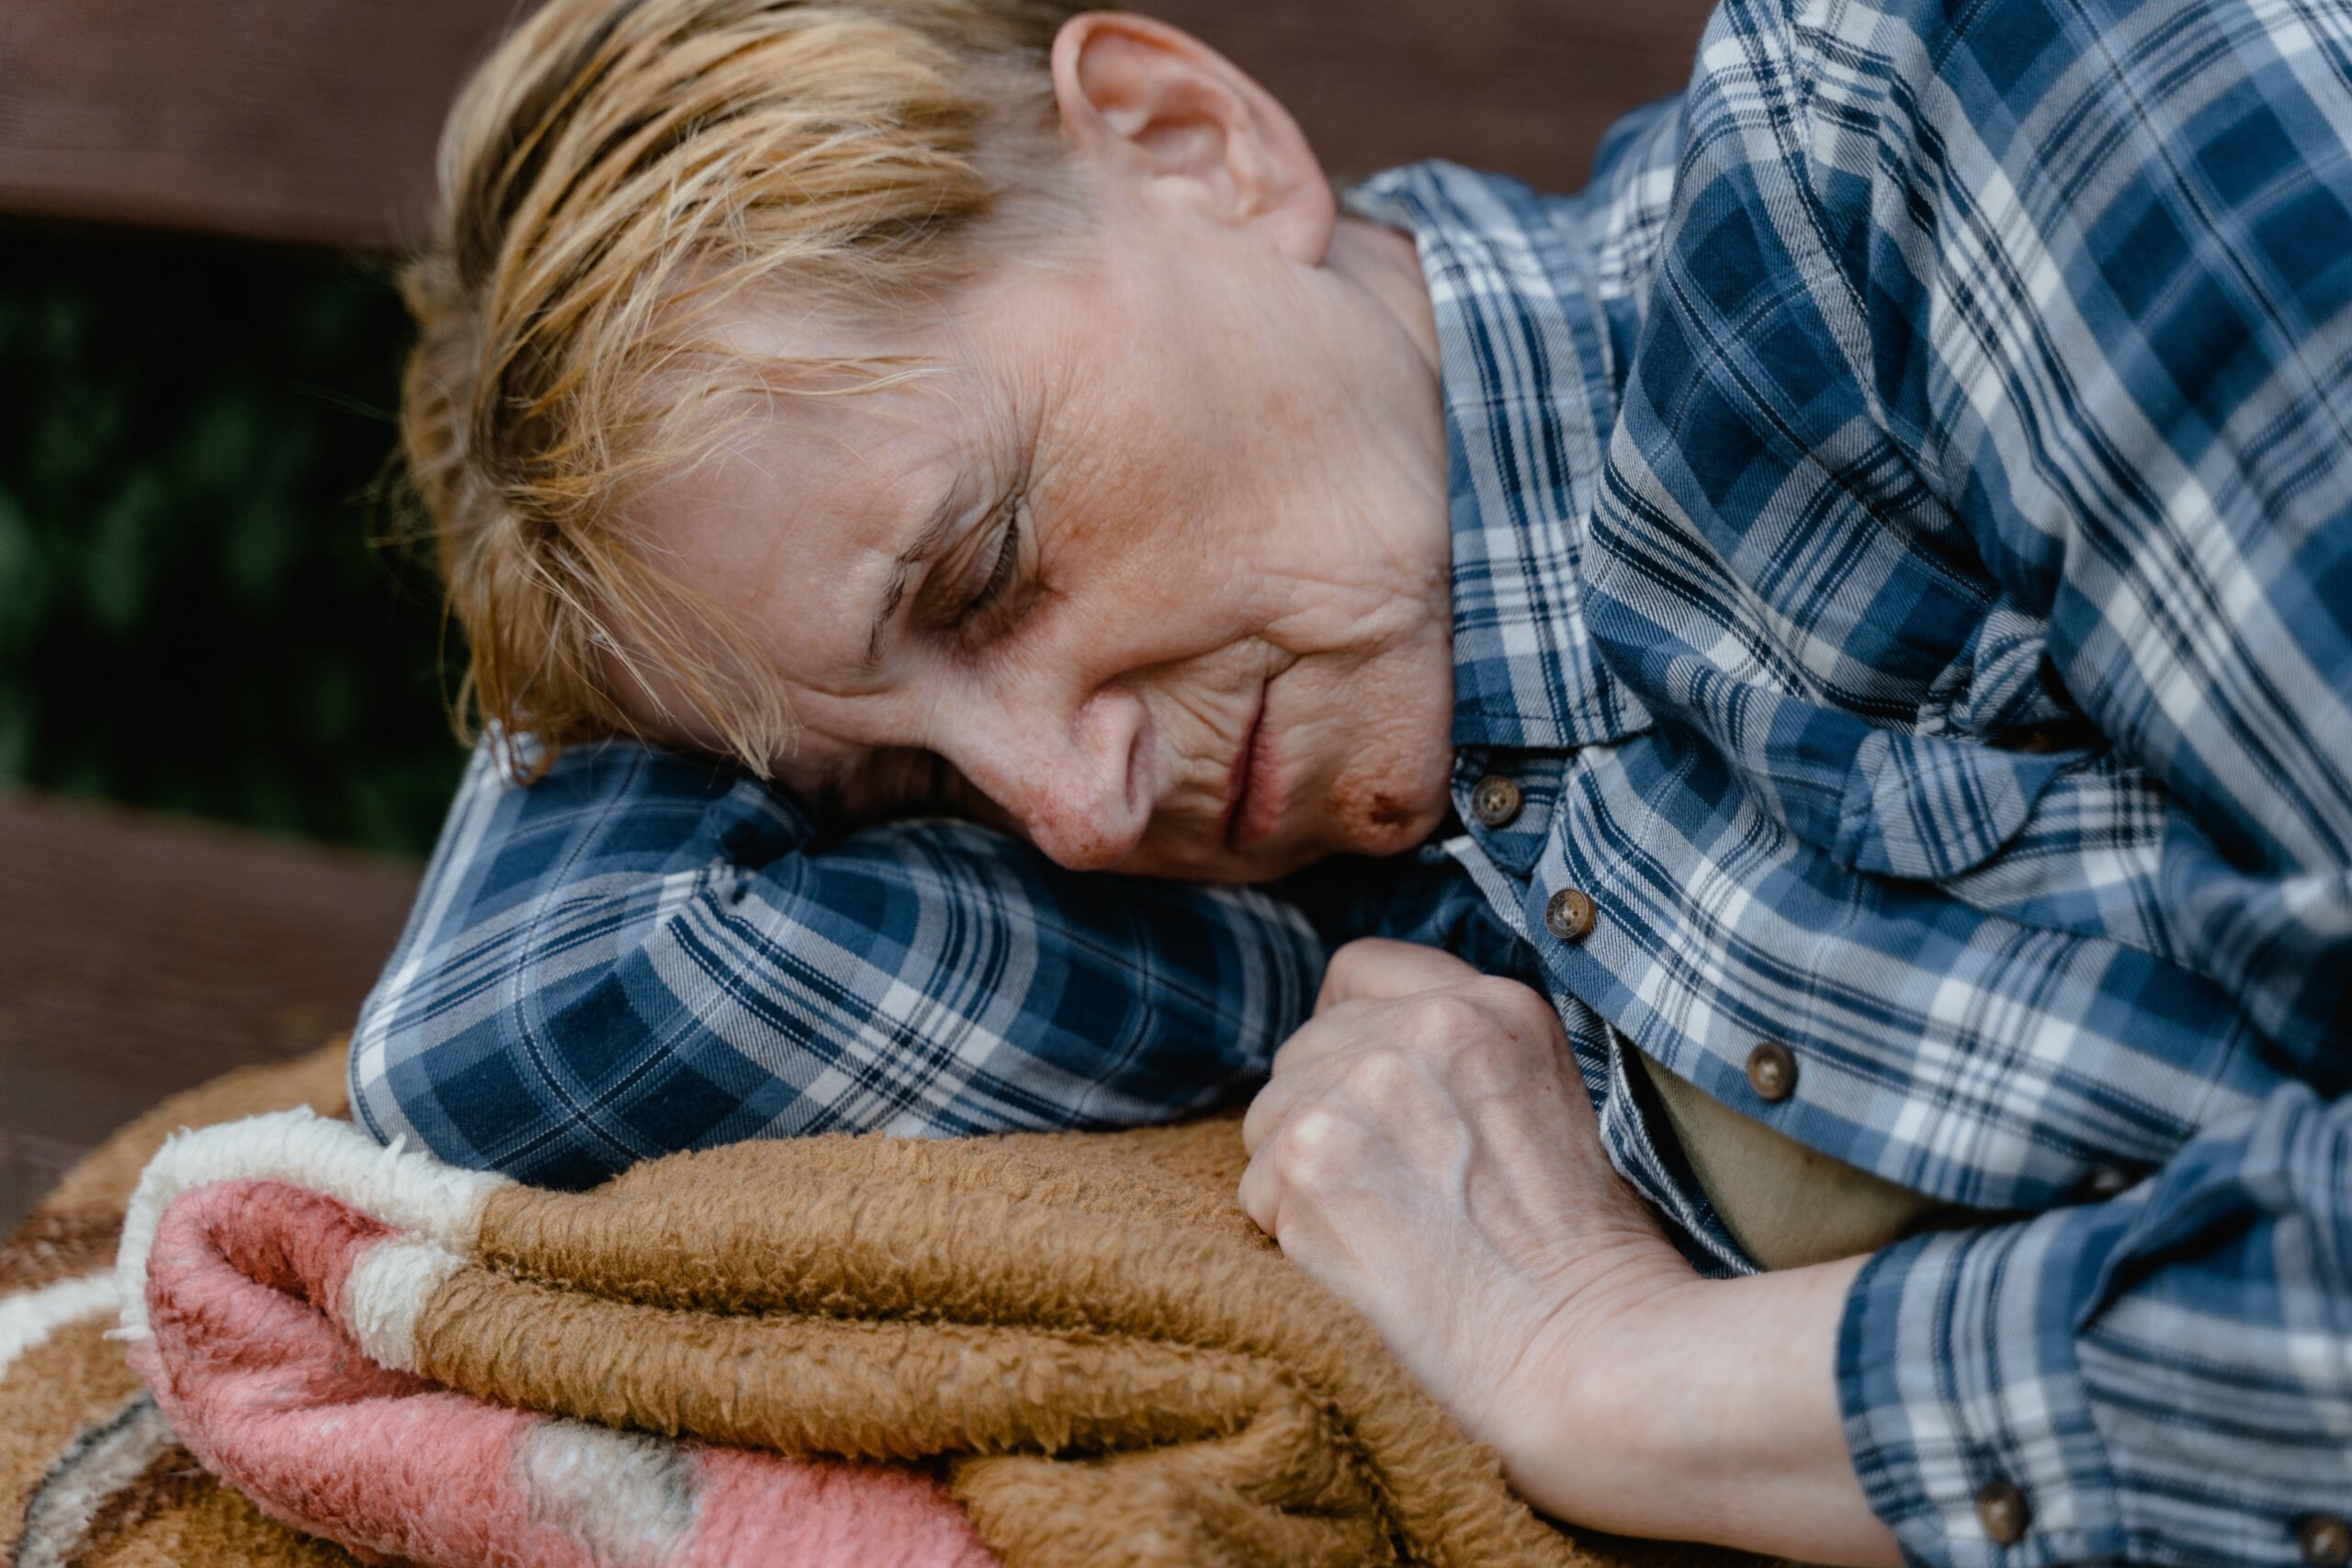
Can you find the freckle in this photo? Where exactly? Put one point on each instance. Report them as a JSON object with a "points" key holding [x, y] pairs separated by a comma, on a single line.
{"points": [[1353, 808]]}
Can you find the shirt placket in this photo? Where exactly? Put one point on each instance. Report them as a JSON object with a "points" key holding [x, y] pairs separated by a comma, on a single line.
{"points": [[1507, 801]]}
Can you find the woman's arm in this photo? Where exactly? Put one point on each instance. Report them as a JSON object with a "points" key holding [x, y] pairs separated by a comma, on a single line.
{"points": [[2135, 1380], [1427, 1151], [644, 951]]}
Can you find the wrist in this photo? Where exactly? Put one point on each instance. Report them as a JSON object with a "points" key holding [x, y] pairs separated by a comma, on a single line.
{"points": [[1585, 1382], [1706, 1410]]}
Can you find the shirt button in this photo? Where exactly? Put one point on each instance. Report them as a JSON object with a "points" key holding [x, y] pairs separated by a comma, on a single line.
{"points": [[1772, 1071], [2326, 1539], [2001, 1509], [1569, 914], [1496, 801]]}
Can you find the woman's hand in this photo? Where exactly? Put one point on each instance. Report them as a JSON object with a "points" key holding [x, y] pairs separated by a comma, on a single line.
{"points": [[1427, 1150]]}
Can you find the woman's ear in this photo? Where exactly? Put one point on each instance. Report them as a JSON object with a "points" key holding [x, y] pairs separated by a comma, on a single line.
{"points": [[1158, 113]]}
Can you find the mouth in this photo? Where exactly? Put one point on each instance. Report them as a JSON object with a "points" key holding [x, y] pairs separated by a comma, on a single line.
{"points": [[1251, 802]]}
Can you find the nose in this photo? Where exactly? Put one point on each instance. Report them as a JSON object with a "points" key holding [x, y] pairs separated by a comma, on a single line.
{"points": [[1076, 781]]}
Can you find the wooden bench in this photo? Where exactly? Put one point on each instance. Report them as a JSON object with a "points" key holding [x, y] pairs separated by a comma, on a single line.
{"points": [[313, 120], [138, 956]]}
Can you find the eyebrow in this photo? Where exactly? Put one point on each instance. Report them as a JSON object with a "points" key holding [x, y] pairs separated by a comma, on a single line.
{"points": [[927, 541]]}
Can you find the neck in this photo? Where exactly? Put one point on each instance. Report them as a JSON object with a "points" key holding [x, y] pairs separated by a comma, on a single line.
{"points": [[1382, 263], [1397, 385]]}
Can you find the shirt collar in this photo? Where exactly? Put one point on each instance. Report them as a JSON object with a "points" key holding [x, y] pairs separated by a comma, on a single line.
{"points": [[1530, 388]]}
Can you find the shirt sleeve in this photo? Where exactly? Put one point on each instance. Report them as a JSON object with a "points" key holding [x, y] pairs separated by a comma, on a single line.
{"points": [[2097, 263], [2093, 264], [2162, 1378], [640, 952]]}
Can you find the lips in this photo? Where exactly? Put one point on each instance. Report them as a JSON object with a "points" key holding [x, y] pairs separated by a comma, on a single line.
{"points": [[1251, 804]]}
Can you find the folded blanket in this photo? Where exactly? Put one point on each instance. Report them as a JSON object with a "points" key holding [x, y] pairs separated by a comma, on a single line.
{"points": [[89, 1474], [250, 1291], [1068, 1349]]}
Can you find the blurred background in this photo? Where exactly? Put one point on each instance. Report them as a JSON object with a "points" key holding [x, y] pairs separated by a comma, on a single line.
{"points": [[202, 610], [224, 744]]}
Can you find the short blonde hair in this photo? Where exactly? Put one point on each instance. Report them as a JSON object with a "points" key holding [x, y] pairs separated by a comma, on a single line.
{"points": [[612, 175]]}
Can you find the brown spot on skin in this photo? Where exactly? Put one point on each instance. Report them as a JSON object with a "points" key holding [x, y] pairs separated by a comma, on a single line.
{"points": [[1371, 820]]}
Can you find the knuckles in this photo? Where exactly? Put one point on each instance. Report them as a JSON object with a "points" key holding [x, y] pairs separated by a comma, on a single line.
{"points": [[1348, 964], [1381, 1076], [1527, 1011], [1318, 1146], [1428, 1054], [1484, 1036], [1446, 1018], [1485, 1014], [1349, 971]]}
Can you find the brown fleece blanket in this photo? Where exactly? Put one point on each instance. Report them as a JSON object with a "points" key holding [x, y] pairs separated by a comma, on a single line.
{"points": [[73, 1488], [1108, 1363]]}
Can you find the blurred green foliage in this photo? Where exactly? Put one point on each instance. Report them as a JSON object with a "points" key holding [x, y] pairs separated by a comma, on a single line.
{"points": [[195, 613]]}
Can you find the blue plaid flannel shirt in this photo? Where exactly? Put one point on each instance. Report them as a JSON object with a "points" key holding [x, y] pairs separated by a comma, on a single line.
{"points": [[1903, 552]]}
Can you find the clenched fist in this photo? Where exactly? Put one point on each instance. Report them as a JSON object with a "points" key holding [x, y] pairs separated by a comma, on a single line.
{"points": [[1427, 1150]]}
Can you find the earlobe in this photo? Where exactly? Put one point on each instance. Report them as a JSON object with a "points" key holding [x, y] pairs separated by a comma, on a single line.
{"points": [[1158, 113]]}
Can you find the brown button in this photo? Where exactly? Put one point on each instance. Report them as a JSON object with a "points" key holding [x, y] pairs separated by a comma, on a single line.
{"points": [[2326, 1539], [1568, 915], [1772, 1071], [2001, 1509], [1496, 801]]}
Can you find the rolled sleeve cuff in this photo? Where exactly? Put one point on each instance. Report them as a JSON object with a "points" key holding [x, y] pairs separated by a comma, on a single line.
{"points": [[1965, 1409]]}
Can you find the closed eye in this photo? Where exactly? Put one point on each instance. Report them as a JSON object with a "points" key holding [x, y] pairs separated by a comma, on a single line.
{"points": [[1008, 558]]}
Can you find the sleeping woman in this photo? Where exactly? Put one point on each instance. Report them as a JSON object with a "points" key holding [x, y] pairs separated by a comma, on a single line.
{"points": [[1749, 770]]}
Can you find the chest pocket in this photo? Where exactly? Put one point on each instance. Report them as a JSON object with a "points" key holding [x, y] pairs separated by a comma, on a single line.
{"points": [[1931, 806]]}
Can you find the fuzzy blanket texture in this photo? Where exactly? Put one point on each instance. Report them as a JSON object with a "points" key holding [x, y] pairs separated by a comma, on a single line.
{"points": [[1048, 1351]]}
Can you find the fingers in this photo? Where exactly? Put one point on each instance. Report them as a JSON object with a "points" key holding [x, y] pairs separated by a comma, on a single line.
{"points": [[1376, 969], [1272, 1107], [1323, 1146], [1465, 1011], [1332, 1049], [1261, 1196]]}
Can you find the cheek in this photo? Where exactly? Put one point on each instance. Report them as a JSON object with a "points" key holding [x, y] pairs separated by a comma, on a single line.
{"points": [[1137, 579]]}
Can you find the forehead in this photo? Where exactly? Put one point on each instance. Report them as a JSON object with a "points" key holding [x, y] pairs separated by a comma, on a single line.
{"points": [[794, 522]]}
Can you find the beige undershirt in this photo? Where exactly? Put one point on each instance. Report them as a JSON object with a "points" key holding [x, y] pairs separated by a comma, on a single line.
{"points": [[1785, 1204]]}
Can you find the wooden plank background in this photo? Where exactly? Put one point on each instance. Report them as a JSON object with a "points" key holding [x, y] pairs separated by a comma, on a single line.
{"points": [[313, 120], [139, 957]]}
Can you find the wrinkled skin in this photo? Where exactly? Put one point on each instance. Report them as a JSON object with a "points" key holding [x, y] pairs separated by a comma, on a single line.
{"points": [[1427, 1150], [1215, 643], [1415, 1062]]}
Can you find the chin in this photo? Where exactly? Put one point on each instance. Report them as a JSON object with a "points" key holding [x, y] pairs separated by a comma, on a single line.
{"points": [[1220, 866], [1389, 827], [1395, 839], [1387, 814]]}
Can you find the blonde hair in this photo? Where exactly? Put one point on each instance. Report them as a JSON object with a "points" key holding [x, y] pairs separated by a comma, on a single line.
{"points": [[613, 175]]}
